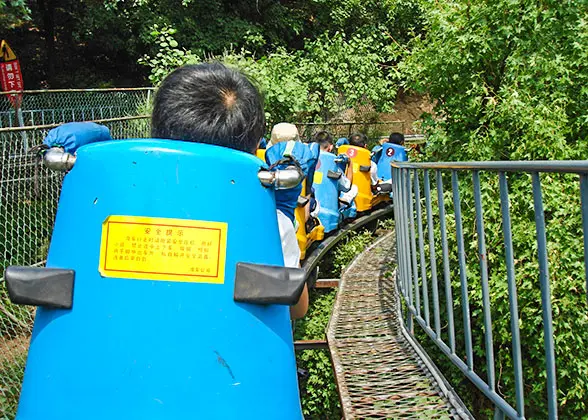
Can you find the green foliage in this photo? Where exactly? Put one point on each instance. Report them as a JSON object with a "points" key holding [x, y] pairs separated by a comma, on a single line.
{"points": [[68, 43], [344, 72], [508, 77], [331, 74], [350, 249], [13, 13], [169, 55], [509, 81], [318, 390]]}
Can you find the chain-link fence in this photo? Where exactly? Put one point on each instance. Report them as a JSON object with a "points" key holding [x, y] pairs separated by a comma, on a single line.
{"points": [[29, 192], [41, 107], [29, 195], [373, 130]]}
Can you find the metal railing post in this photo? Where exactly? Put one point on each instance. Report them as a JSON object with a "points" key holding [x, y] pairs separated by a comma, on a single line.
{"points": [[465, 303], [433, 260], [446, 272], [483, 257], [419, 216], [545, 296]]}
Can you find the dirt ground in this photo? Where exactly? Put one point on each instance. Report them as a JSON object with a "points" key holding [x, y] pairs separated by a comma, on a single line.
{"points": [[409, 108], [12, 349]]}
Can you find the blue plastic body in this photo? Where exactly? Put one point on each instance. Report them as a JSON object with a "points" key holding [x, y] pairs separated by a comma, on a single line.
{"points": [[287, 199], [144, 349], [341, 141], [71, 136], [349, 211], [315, 151], [390, 152], [327, 192]]}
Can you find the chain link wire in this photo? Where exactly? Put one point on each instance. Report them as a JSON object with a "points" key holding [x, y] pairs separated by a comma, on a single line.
{"points": [[29, 192], [58, 106], [29, 197], [373, 130]]}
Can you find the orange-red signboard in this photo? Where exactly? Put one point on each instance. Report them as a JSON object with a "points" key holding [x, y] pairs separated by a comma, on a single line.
{"points": [[10, 74]]}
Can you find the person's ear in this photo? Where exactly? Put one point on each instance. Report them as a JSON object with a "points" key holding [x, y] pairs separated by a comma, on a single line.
{"points": [[330, 148]]}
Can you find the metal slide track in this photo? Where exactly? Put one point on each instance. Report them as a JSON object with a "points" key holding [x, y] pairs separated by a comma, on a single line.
{"points": [[379, 373], [318, 252]]}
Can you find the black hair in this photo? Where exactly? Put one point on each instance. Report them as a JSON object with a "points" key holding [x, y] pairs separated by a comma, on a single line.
{"points": [[209, 103], [396, 138], [358, 139], [323, 138]]}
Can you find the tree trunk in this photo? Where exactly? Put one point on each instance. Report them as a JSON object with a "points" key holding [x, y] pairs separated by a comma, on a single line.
{"points": [[47, 9]]}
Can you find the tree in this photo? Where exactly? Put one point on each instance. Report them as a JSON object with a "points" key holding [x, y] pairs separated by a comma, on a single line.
{"points": [[13, 13], [67, 43], [509, 80]]}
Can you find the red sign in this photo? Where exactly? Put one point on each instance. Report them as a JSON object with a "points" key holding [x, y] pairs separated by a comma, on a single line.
{"points": [[390, 152], [351, 152], [10, 74]]}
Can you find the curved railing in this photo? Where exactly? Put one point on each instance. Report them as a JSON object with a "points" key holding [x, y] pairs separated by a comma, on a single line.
{"points": [[422, 226]]}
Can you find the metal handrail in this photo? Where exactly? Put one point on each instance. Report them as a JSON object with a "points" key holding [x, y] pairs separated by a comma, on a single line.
{"points": [[50, 126], [127, 89], [417, 270], [567, 166]]}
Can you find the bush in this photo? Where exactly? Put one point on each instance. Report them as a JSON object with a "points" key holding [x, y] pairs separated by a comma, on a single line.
{"points": [[331, 74], [318, 391], [506, 77]]}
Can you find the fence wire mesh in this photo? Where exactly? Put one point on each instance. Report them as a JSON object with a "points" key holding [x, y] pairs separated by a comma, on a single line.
{"points": [[58, 106], [29, 196], [373, 130], [29, 192]]}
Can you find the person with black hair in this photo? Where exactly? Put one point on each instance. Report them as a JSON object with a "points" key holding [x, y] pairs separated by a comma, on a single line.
{"points": [[396, 138], [202, 103], [209, 103], [325, 141]]}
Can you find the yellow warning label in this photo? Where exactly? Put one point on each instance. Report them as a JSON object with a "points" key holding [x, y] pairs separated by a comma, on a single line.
{"points": [[152, 248], [318, 178], [355, 168]]}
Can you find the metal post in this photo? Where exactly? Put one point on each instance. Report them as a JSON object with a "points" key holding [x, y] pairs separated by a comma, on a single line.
{"points": [[584, 198], [465, 303], [432, 258], [545, 296], [419, 216], [489, 342], [446, 272], [23, 134], [415, 273], [512, 295]]}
